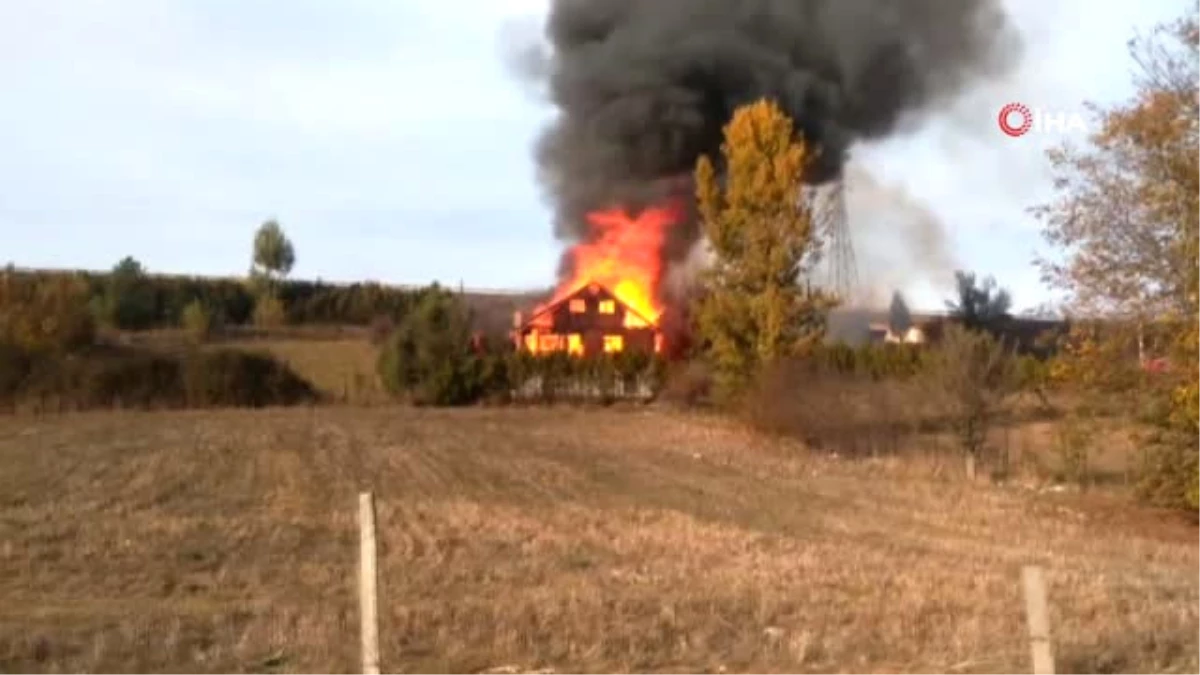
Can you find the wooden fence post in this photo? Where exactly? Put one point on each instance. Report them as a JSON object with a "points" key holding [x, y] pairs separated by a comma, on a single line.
{"points": [[1039, 620], [367, 578]]}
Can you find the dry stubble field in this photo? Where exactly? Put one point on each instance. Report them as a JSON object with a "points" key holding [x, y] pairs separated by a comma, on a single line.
{"points": [[563, 539]]}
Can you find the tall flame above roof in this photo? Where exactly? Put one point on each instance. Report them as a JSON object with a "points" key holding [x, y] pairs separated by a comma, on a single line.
{"points": [[624, 254]]}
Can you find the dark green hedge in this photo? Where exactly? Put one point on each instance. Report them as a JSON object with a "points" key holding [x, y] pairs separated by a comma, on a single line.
{"points": [[449, 371], [607, 377]]}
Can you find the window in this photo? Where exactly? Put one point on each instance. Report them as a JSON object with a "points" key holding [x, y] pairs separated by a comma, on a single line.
{"points": [[614, 343], [550, 343], [575, 344], [578, 306], [608, 307]]}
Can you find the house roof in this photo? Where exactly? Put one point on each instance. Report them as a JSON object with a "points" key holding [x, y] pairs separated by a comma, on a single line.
{"points": [[590, 289]]}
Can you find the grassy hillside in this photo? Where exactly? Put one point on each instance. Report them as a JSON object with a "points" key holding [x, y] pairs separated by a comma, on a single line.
{"points": [[556, 539], [339, 361], [342, 368]]}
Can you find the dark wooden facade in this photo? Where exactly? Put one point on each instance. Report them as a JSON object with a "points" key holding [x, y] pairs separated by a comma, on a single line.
{"points": [[588, 322]]}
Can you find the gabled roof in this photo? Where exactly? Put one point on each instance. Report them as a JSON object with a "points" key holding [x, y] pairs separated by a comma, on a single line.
{"points": [[590, 289]]}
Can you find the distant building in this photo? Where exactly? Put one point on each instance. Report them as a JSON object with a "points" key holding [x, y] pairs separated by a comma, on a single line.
{"points": [[882, 333]]}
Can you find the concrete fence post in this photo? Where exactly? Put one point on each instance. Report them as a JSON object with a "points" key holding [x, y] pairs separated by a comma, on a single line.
{"points": [[368, 598], [1039, 620]]}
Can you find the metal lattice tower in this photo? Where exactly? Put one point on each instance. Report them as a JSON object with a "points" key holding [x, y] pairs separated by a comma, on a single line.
{"points": [[840, 270]]}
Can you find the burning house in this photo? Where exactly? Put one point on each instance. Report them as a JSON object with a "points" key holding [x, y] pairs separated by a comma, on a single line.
{"points": [[611, 299], [586, 322]]}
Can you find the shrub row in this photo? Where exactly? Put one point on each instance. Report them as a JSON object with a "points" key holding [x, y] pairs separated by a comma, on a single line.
{"points": [[110, 377], [903, 361]]}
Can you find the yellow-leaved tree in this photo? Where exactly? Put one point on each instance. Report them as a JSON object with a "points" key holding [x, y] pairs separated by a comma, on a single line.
{"points": [[1125, 223], [756, 307], [45, 313]]}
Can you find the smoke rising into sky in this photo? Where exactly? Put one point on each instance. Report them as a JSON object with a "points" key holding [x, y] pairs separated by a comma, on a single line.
{"points": [[898, 239], [643, 88]]}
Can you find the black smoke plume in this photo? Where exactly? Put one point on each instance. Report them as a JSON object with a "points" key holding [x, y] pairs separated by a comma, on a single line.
{"points": [[644, 87]]}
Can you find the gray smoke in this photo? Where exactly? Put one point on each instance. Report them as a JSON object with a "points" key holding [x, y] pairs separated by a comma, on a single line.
{"points": [[898, 238], [643, 87]]}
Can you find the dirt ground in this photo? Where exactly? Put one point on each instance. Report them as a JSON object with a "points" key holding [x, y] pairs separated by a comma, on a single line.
{"points": [[553, 539]]}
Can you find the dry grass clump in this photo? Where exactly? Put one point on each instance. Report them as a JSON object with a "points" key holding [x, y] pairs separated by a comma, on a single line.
{"points": [[851, 414], [550, 539], [687, 384]]}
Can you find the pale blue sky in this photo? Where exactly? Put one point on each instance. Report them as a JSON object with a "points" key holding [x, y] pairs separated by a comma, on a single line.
{"points": [[391, 142]]}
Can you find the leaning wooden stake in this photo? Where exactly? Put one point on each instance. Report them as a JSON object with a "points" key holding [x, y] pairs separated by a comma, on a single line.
{"points": [[1039, 620], [367, 578]]}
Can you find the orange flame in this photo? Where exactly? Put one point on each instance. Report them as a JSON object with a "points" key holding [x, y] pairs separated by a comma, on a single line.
{"points": [[625, 257]]}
